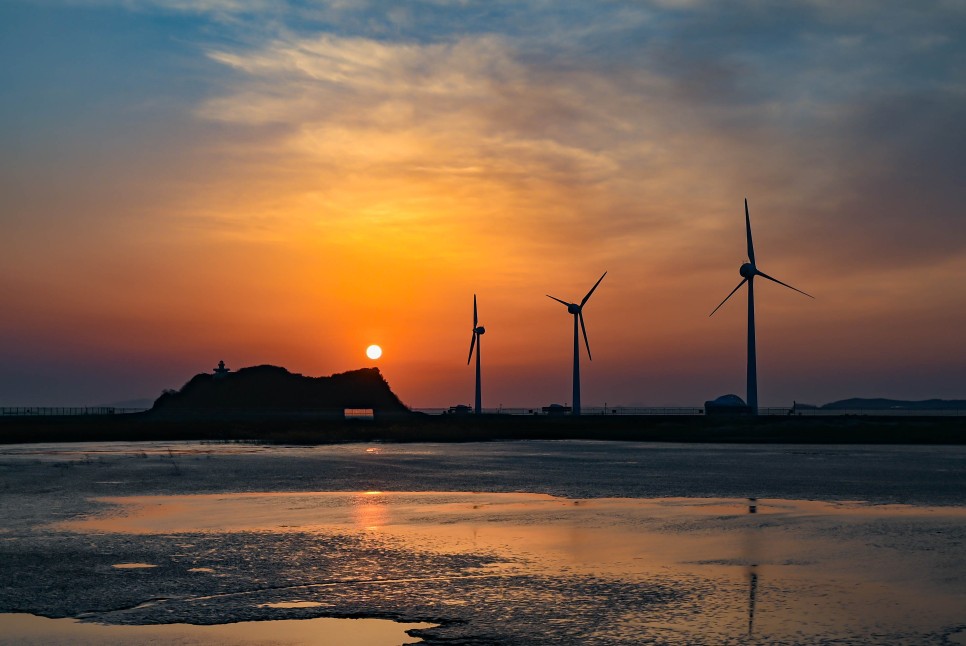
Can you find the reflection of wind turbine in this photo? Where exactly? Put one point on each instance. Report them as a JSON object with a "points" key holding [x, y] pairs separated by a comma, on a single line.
{"points": [[748, 272], [752, 593], [752, 575], [478, 331], [578, 312]]}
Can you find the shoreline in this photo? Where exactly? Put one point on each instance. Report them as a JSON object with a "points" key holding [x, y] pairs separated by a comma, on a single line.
{"points": [[305, 430], [490, 540]]}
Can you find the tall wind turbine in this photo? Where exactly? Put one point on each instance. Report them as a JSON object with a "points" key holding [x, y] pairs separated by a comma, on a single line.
{"points": [[578, 312], [748, 272], [476, 342]]}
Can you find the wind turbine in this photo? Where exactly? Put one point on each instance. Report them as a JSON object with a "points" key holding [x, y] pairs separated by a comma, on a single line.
{"points": [[578, 312], [476, 342], [748, 272]]}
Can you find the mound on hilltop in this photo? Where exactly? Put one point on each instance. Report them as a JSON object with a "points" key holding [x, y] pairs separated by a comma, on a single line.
{"points": [[275, 390]]}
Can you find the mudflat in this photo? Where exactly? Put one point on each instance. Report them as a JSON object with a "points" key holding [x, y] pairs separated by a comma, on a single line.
{"points": [[498, 542]]}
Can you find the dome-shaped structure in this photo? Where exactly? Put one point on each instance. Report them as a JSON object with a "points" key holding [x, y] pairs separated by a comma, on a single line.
{"points": [[726, 404]]}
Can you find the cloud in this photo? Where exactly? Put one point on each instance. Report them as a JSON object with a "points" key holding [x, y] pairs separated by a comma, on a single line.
{"points": [[220, 7], [570, 122], [464, 116], [322, 159]]}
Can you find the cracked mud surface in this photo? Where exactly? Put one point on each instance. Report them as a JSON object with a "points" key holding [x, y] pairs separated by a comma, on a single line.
{"points": [[625, 543]]}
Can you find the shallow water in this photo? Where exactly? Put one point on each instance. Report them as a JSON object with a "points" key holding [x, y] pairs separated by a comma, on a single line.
{"points": [[562, 542], [26, 629], [799, 560]]}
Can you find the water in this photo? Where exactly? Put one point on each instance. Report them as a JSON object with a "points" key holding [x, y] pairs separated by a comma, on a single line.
{"points": [[24, 629], [529, 543]]}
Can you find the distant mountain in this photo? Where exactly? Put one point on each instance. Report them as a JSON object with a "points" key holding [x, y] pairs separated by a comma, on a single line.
{"points": [[857, 403], [275, 389]]}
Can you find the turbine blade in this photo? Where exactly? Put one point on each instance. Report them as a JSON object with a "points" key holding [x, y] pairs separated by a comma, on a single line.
{"points": [[751, 247], [587, 297], [475, 318], [775, 280], [584, 329], [743, 281], [559, 301], [472, 345]]}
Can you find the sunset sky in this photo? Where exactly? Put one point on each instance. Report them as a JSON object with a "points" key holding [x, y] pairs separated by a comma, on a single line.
{"points": [[279, 182]]}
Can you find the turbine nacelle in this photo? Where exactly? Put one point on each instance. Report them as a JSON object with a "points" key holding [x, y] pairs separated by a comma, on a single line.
{"points": [[478, 330], [475, 344], [748, 271], [577, 310]]}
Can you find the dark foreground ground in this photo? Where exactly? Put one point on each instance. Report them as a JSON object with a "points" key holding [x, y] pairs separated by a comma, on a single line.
{"points": [[298, 429], [840, 579]]}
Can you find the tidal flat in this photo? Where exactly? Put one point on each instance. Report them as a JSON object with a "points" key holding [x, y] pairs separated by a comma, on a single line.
{"points": [[492, 543]]}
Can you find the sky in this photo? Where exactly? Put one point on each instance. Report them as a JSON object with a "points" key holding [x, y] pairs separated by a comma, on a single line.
{"points": [[271, 182]]}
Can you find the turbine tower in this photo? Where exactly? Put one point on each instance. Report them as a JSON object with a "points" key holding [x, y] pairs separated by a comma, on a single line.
{"points": [[748, 272], [578, 312], [476, 342]]}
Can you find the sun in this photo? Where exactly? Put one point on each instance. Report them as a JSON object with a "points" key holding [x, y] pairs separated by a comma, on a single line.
{"points": [[373, 352]]}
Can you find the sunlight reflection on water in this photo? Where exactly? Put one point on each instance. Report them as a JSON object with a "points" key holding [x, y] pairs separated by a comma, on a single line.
{"points": [[644, 543], [762, 569], [29, 629]]}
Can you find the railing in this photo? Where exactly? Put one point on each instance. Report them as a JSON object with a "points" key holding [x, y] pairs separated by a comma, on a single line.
{"points": [[584, 410], [587, 411], [25, 411], [885, 412]]}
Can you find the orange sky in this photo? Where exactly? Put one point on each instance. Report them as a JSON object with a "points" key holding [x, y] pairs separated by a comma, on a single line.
{"points": [[292, 193]]}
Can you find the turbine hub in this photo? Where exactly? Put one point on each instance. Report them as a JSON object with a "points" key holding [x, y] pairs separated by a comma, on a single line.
{"points": [[480, 330], [747, 271], [573, 308]]}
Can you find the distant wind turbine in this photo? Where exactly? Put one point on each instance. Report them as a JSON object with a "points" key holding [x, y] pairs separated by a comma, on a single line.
{"points": [[748, 272], [476, 342], [578, 312]]}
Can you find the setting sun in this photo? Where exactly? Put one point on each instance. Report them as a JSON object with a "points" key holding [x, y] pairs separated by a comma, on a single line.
{"points": [[373, 352]]}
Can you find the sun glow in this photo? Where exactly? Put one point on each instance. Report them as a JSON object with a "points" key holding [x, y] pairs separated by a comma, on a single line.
{"points": [[373, 352]]}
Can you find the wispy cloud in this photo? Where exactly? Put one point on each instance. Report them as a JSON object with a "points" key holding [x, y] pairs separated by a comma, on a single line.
{"points": [[511, 143], [615, 116]]}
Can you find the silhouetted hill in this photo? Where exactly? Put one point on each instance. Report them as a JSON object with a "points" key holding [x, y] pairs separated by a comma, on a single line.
{"points": [[271, 389], [857, 403]]}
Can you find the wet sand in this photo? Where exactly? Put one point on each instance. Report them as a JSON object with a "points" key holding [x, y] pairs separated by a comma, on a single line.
{"points": [[491, 566], [26, 629]]}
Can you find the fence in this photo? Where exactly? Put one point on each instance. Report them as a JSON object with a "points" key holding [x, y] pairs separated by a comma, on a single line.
{"points": [[25, 411], [587, 411], [584, 410]]}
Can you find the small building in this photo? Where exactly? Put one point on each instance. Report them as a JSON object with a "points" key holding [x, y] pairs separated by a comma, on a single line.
{"points": [[221, 370], [459, 409], [556, 409], [359, 413], [727, 405]]}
